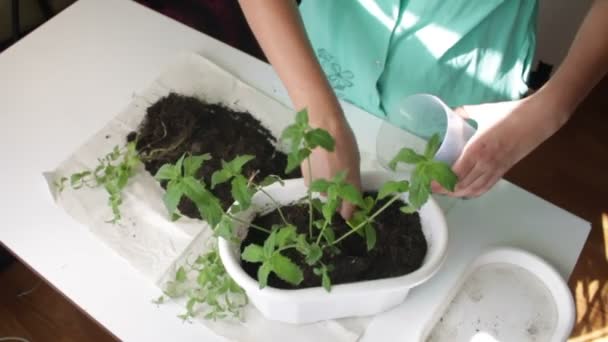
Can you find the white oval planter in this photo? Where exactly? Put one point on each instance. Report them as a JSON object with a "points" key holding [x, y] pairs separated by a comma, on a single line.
{"points": [[345, 300]]}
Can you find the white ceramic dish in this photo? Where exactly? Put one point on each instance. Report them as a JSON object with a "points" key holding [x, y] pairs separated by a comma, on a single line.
{"points": [[506, 294], [345, 300]]}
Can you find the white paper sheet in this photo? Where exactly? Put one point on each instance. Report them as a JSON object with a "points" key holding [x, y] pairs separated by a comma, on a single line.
{"points": [[145, 237]]}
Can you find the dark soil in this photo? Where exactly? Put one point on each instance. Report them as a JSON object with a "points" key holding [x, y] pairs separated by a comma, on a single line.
{"points": [[400, 247], [178, 124]]}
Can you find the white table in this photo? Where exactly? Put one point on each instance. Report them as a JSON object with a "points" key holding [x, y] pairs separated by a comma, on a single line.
{"points": [[64, 81]]}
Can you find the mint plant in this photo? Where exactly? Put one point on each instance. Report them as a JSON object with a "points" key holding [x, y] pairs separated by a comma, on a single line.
{"points": [[112, 173], [323, 198], [208, 287]]}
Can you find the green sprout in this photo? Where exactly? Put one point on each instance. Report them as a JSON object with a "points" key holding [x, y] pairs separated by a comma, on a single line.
{"points": [[112, 173], [209, 289]]}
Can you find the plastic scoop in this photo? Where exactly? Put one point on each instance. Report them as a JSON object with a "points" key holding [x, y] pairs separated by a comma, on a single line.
{"points": [[414, 120]]}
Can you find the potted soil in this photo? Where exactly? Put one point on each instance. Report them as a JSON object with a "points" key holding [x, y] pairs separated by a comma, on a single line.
{"points": [[409, 249], [299, 262], [280, 242]]}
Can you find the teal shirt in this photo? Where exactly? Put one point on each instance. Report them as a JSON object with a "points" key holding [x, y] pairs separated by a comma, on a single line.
{"points": [[375, 52]]}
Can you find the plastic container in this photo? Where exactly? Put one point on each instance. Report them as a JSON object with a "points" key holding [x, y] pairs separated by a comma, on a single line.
{"points": [[414, 121], [345, 300], [506, 294]]}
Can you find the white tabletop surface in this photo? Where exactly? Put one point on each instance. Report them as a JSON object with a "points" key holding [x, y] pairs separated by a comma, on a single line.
{"points": [[64, 81]]}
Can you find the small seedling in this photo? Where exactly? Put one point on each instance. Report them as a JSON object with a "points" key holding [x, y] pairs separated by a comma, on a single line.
{"points": [[112, 173], [209, 289]]}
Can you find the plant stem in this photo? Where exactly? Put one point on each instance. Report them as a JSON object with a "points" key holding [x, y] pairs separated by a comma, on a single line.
{"points": [[285, 247], [259, 188], [309, 194], [262, 229], [321, 233], [386, 205]]}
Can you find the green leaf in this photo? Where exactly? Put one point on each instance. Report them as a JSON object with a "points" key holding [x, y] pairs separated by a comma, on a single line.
{"points": [[332, 192], [76, 178], [234, 287], [370, 236], [319, 137], [408, 209], [236, 165], [263, 273], [302, 244], [271, 179], [319, 185], [219, 177], [286, 235], [318, 224], [420, 186], [175, 217], [208, 205], [269, 244], [442, 174], [200, 260], [224, 227], [240, 192], [190, 307], [179, 163], [317, 204], [193, 163], [253, 253], [325, 280], [351, 194], [357, 218], [285, 269], [432, 146], [314, 254], [339, 177], [194, 189], [122, 177], [60, 183], [293, 135], [172, 196], [329, 235], [369, 203], [392, 187], [329, 209], [212, 212], [181, 275], [405, 155], [295, 159], [302, 117], [159, 300]]}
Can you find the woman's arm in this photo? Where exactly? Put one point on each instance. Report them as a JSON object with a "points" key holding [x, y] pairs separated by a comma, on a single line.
{"points": [[508, 131], [278, 28], [584, 66]]}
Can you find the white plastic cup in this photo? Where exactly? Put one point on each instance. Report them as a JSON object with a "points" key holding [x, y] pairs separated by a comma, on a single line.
{"points": [[414, 121]]}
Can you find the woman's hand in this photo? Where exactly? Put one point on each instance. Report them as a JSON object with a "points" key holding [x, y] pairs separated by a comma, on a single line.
{"points": [[507, 132], [345, 156]]}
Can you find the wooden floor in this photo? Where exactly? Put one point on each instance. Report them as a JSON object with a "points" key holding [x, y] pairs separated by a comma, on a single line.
{"points": [[571, 171], [31, 309]]}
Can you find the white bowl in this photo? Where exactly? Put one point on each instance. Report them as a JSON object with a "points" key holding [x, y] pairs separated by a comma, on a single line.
{"points": [[506, 294], [345, 300]]}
